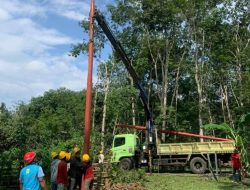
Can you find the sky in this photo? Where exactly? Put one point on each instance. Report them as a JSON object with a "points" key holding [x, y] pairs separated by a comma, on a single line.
{"points": [[35, 39]]}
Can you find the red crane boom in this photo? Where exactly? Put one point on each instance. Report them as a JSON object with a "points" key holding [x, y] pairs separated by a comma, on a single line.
{"points": [[142, 128]]}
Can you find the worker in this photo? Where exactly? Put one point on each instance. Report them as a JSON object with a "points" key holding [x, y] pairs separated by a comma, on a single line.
{"points": [[54, 170], [101, 157], [235, 161], [62, 176], [88, 173], [32, 176], [68, 158], [75, 171]]}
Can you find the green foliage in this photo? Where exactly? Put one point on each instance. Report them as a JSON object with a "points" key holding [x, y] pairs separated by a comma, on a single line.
{"points": [[119, 100], [234, 134], [245, 120], [10, 158], [45, 123], [222, 127], [121, 176]]}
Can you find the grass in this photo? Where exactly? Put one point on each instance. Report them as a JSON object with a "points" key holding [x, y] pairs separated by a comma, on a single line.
{"points": [[179, 182]]}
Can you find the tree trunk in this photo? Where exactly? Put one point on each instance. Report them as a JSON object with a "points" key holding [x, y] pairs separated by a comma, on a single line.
{"points": [[198, 79], [106, 87], [176, 88], [155, 66], [225, 94], [133, 105], [133, 102], [222, 104], [239, 68], [199, 89], [95, 97], [165, 70]]}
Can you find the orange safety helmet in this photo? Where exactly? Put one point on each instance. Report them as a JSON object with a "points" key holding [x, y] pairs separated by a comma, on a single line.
{"points": [[54, 154], [76, 149], [85, 158], [29, 157], [68, 156], [62, 155]]}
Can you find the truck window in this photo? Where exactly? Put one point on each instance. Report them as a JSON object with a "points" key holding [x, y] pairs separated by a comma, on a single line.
{"points": [[119, 141]]}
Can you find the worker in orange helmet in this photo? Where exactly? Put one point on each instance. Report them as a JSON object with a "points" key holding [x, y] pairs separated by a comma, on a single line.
{"points": [[88, 173], [31, 176], [75, 171]]}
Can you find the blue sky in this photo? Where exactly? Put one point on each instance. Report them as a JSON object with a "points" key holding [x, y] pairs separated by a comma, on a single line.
{"points": [[35, 39]]}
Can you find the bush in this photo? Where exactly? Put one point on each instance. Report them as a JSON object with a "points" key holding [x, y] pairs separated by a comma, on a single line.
{"points": [[122, 176]]}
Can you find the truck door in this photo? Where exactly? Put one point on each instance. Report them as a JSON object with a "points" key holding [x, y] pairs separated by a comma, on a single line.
{"points": [[119, 149]]}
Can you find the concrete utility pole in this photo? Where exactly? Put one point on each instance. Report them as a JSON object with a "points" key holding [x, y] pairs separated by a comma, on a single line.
{"points": [[87, 123]]}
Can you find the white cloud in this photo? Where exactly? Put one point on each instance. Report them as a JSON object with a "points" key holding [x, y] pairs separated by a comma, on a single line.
{"points": [[20, 36], [28, 67], [27, 79], [22, 8], [4, 15], [74, 15], [73, 9], [33, 57]]}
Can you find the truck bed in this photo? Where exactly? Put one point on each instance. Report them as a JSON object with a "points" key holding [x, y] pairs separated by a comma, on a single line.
{"points": [[195, 147]]}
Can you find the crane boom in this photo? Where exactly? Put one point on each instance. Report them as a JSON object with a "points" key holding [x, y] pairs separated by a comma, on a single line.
{"points": [[185, 134], [126, 61]]}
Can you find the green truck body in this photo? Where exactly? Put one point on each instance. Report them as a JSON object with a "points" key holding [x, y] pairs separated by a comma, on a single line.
{"points": [[128, 153]]}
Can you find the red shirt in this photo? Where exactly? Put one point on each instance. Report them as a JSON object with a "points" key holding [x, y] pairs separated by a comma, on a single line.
{"points": [[62, 176], [235, 159], [89, 174]]}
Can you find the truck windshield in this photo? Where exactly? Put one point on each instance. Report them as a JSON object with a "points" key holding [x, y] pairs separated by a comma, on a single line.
{"points": [[119, 141]]}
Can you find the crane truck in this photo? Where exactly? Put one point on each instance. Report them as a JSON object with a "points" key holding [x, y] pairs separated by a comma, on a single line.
{"points": [[128, 152]]}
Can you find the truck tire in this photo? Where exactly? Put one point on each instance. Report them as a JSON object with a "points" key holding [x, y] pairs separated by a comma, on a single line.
{"points": [[198, 165], [125, 164]]}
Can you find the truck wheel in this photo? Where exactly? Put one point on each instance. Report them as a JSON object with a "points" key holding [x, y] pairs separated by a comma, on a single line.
{"points": [[125, 164], [198, 165]]}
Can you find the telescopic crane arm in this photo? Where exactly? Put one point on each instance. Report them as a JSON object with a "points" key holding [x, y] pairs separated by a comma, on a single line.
{"points": [[126, 61]]}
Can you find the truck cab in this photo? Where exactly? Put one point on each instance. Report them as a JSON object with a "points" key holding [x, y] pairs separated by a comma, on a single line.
{"points": [[125, 150]]}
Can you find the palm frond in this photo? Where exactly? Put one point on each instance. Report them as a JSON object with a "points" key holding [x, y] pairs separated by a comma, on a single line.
{"points": [[222, 127]]}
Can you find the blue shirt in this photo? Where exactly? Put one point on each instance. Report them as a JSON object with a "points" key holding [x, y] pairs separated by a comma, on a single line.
{"points": [[29, 177]]}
